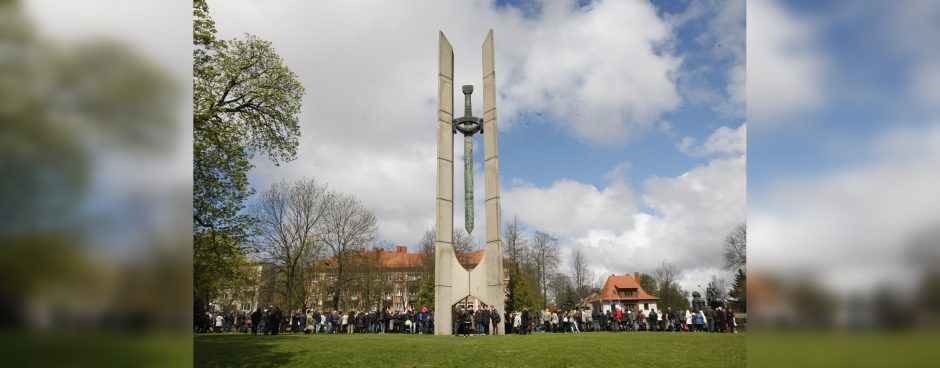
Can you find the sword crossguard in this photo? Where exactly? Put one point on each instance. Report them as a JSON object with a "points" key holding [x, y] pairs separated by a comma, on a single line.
{"points": [[468, 124]]}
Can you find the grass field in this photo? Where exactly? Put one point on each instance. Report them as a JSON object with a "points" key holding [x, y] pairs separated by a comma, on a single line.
{"points": [[537, 350]]}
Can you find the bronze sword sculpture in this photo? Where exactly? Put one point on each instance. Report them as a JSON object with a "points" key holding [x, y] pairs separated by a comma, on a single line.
{"points": [[468, 125]]}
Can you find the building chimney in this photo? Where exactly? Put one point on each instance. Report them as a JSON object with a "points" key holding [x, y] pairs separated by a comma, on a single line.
{"points": [[401, 249], [636, 276]]}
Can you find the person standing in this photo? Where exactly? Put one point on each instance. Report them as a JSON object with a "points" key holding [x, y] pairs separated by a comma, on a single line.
{"points": [[688, 321], [526, 321], [494, 317], [486, 321], [255, 320], [710, 319], [732, 324], [219, 322], [467, 321]]}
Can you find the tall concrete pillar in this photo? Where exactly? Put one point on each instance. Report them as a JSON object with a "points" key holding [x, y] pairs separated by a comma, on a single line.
{"points": [[452, 281]]}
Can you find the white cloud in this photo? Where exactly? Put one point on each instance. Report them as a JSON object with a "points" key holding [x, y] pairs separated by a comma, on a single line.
{"points": [[723, 141], [686, 223], [568, 208], [603, 74], [785, 72], [856, 218]]}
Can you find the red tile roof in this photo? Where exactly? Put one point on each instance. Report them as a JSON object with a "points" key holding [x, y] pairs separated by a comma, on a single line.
{"points": [[614, 282]]}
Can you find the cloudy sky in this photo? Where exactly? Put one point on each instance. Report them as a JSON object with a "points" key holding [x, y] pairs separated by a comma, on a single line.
{"points": [[844, 140], [622, 128]]}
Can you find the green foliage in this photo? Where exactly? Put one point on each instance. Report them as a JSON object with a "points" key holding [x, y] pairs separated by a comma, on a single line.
{"points": [[523, 290], [739, 291], [245, 101], [648, 283], [674, 297], [426, 293]]}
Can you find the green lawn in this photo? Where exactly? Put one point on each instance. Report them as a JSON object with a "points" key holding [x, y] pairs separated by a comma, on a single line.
{"points": [[850, 349], [541, 350]]}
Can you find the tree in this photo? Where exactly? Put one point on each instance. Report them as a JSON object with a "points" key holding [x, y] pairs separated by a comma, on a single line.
{"points": [[426, 292], [514, 240], [674, 297], [369, 278], [581, 273], [716, 292], [735, 248], [524, 290], [564, 291], [245, 101], [427, 249], [739, 291], [346, 227], [285, 233], [464, 246], [666, 275], [545, 255], [648, 283]]}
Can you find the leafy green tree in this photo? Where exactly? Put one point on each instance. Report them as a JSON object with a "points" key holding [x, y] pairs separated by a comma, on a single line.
{"points": [[648, 283], [245, 101], [426, 293], [524, 291]]}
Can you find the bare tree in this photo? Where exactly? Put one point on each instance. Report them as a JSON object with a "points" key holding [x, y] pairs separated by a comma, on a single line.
{"points": [[426, 248], [545, 257], [285, 232], [717, 292], [514, 240], [347, 227], [666, 275], [735, 248], [464, 246], [370, 277], [582, 275]]}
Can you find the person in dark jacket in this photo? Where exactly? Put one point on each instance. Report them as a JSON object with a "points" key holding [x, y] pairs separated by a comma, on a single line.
{"points": [[275, 318], [719, 320], [710, 319], [729, 319], [652, 320], [467, 320], [526, 321], [494, 318], [255, 320]]}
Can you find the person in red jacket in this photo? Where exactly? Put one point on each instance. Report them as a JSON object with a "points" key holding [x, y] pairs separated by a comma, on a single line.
{"points": [[619, 319]]}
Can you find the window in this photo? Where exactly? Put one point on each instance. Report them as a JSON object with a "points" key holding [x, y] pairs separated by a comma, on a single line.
{"points": [[646, 306], [398, 292], [388, 277]]}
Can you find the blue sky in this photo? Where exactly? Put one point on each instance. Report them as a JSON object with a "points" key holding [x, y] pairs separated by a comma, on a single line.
{"points": [[843, 140], [621, 123]]}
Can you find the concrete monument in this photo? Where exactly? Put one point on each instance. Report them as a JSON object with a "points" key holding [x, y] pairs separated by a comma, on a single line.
{"points": [[452, 282]]}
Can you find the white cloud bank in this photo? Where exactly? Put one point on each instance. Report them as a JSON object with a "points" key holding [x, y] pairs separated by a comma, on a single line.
{"points": [[603, 74]]}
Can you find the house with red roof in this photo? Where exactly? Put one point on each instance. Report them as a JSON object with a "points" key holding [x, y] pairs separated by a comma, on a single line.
{"points": [[621, 291]]}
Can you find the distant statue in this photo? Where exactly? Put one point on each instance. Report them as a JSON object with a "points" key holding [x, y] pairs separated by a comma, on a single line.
{"points": [[697, 302]]}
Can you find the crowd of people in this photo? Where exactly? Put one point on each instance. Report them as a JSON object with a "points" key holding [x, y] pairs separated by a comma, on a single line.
{"points": [[479, 321], [619, 319], [273, 320]]}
